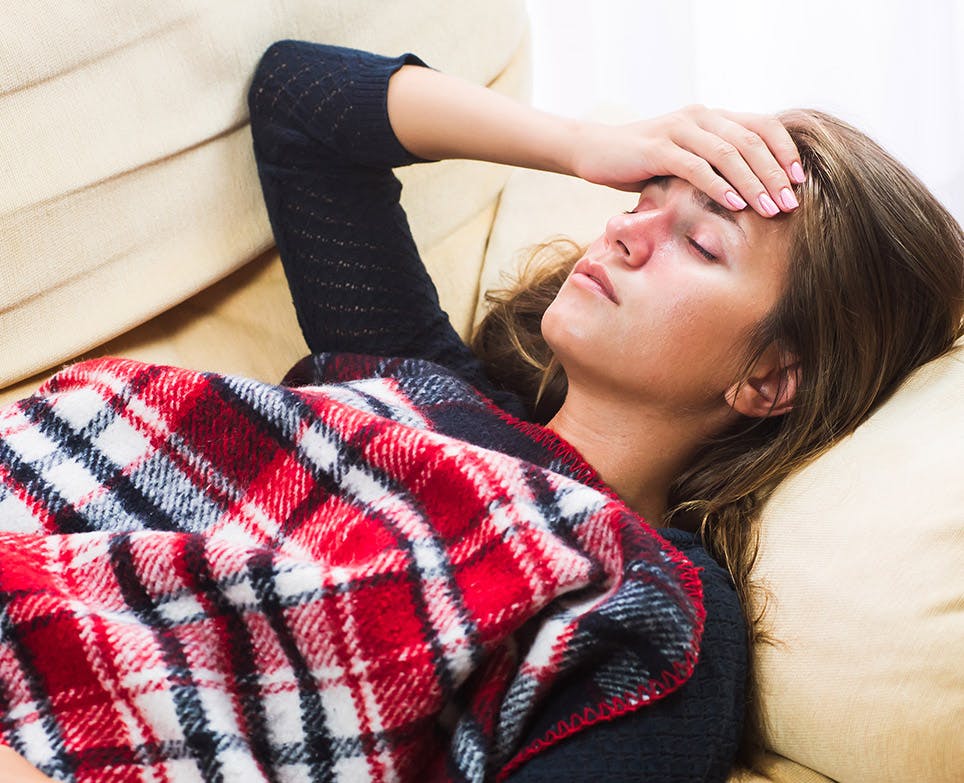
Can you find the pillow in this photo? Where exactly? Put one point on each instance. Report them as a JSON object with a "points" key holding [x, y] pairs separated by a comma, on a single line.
{"points": [[863, 555]]}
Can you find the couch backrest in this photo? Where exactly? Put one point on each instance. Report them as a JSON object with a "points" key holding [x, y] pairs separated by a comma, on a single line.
{"points": [[128, 177]]}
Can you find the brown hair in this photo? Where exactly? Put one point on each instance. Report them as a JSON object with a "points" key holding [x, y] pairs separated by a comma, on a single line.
{"points": [[875, 289]]}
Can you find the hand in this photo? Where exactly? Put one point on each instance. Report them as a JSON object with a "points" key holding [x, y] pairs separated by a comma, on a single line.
{"points": [[753, 152], [14, 769]]}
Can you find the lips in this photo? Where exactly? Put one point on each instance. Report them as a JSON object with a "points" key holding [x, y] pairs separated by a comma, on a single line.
{"points": [[598, 274]]}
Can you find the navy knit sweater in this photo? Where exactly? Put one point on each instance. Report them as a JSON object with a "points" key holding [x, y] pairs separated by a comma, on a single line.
{"points": [[325, 152]]}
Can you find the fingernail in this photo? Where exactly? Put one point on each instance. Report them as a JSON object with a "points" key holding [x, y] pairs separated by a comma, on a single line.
{"points": [[734, 200], [767, 204], [788, 199], [796, 172]]}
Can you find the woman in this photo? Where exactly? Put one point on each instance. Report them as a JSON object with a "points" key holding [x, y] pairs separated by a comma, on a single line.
{"points": [[692, 356]]}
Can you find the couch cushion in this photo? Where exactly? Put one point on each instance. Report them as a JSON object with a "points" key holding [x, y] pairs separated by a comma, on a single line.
{"points": [[768, 767], [129, 180], [862, 553]]}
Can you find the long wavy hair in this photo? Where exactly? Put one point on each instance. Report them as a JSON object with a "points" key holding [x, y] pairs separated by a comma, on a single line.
{"points": [[875, 289]]}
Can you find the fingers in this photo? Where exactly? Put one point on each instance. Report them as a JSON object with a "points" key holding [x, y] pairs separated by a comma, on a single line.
{"points": [[776, 137], [695, 169], [754, 154]]}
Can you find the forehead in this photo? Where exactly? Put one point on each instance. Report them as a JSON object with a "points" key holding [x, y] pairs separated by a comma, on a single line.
{"points": [[750, 231], [701, 201]]}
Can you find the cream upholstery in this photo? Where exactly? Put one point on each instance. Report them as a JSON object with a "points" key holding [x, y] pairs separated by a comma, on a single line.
{"points": [[130, 187], [128, 170], [863, 553]]}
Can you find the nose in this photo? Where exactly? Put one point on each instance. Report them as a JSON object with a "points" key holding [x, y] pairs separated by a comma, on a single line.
{"points": [[634, 235]]}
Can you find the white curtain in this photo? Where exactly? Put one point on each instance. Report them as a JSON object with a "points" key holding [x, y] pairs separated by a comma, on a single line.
{"points": [[893, 68]]}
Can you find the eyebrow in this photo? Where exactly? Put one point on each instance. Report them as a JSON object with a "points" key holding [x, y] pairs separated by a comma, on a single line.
{"points": [[703, 202]]}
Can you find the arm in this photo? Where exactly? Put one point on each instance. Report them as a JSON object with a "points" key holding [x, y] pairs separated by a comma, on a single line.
{"points": [[330, 123], [325, 152], [437, 116]]}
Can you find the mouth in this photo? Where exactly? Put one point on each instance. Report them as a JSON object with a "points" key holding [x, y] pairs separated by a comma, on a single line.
{"points": [[596, 276]]}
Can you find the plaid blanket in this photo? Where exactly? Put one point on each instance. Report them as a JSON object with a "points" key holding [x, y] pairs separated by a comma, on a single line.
{"points": [[204, 577]]}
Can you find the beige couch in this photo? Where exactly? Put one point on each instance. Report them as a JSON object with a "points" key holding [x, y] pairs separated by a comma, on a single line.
{"points": [[131, 223]]}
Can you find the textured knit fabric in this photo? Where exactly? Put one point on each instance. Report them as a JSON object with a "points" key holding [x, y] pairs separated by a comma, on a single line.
{"points": [[324, 147], [211, 578], [325, 152]]}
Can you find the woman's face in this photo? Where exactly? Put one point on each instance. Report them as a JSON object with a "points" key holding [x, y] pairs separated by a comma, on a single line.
{"points": [[647, 316]]}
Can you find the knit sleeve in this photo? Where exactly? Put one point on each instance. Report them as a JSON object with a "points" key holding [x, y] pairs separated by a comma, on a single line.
{"points": [[325, 150], [690, 735]]}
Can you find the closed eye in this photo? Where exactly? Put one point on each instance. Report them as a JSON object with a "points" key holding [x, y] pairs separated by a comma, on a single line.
{"points": [[703, 251]]}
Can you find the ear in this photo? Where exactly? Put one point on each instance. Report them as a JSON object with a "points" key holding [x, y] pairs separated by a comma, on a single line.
{"points": [[771, 387]]}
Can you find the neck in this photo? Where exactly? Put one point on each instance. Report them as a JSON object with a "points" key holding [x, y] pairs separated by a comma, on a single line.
{"points": [[637, 450]]}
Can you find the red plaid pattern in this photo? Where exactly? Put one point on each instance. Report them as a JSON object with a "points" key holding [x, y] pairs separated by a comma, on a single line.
{"points": [[210, 578]]}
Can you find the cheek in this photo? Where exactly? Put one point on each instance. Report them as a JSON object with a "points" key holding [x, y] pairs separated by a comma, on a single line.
{"points": [[677, 298], [670, 308], [696, 330]]}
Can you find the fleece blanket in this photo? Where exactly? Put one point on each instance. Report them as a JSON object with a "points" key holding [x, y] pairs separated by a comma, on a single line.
{"points": [[205, 577]]}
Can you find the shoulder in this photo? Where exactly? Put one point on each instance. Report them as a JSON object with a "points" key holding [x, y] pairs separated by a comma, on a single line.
{"points": [[723, 651], [718, 588]]}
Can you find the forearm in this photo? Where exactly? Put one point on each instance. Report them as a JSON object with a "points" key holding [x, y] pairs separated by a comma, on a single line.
{"points": [[724, 154], [438, 116]]}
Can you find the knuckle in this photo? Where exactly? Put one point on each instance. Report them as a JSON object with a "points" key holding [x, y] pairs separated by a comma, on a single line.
{"points": [[750, 139], [723, 149], [663, 147], [773, 129], [777, 175], [772, 123], [675, 122], [697, 167]]}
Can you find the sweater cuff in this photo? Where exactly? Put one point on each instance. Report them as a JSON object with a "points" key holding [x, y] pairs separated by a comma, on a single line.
{"points": [[375, 141], [332, 96]]}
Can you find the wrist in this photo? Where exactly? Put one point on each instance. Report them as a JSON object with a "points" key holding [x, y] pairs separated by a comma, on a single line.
{"points": [[572, 134]]}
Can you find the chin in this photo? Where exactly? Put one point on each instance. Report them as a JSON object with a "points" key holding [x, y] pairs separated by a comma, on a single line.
{"points": [[564, 322], [555, 327], [571, 343]]}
